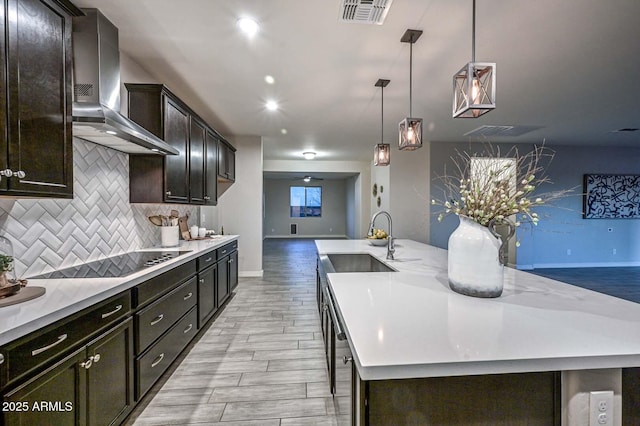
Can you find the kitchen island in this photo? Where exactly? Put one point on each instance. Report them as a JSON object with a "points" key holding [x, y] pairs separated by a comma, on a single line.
{"points": [[532, 341]]}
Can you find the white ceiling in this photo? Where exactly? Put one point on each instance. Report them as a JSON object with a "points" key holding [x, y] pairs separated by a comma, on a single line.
{"points": [[570, 66]]}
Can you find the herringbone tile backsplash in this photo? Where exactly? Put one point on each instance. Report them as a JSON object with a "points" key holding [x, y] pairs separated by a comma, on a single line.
{"points": [[98, 222]]}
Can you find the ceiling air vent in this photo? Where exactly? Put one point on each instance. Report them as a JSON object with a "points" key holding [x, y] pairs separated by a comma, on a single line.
{"points": [[364, 11], [625, 130], [501, 131]]}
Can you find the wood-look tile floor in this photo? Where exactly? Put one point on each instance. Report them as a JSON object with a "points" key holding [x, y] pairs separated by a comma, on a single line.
{"points": [[261, 362]]}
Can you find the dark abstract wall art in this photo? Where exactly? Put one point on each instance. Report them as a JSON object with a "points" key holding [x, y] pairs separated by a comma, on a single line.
{"points": [[611, 197]]}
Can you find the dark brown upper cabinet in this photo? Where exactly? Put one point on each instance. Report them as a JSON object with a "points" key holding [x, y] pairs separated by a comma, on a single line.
{"points": [[192, 176], [211, 169], [197, 161], [36, 140]]}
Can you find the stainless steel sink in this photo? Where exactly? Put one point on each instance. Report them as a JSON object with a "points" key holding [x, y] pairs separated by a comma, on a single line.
{"points": [[355, 262]]}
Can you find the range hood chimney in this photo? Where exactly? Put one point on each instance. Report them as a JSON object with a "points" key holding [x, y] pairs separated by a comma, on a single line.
{"points": [[96, 90]]}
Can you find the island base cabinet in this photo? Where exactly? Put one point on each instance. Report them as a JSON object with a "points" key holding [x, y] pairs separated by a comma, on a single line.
{"points": [[523, 399], [92, 386]]}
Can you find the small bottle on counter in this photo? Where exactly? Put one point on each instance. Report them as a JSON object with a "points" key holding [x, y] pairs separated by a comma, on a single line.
{"points": [[222, 230]]}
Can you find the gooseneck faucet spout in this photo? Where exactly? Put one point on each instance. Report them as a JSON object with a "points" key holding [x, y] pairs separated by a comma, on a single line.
{"points": [[391, 248]]}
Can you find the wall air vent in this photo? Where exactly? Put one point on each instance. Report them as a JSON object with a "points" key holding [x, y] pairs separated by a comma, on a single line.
{"points": [[501, 131], [364, 11], [293, 229]]}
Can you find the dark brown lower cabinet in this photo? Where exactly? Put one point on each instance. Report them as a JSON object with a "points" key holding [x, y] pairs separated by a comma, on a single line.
{"points": [[92, 386], [522, 399], [207, 302], [222, 286], [233, 271]]}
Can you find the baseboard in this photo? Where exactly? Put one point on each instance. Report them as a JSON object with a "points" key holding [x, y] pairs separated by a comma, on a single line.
{"points": [[251, 274], [579, 265], [337, 237]]}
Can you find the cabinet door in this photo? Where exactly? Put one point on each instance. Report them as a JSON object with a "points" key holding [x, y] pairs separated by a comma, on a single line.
{"points": [[55, 397], [196, 162], [211, 170], [176, 134], [233, 271], [207, 302], [222, 160], [39, 108], [223, 280], [110, 377], [231, 164]]}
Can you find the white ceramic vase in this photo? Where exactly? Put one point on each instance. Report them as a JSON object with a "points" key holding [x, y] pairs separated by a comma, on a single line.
{"points": [[474, 260]]}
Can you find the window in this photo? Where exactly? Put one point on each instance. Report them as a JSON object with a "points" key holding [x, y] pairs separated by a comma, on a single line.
{"points": [[305, 201]]}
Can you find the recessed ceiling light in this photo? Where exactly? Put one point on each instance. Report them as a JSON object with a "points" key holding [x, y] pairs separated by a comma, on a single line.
{"points": [[269, 79], [248, 26], [283, 131], [271, 105], [309, 155], [111, 132]]}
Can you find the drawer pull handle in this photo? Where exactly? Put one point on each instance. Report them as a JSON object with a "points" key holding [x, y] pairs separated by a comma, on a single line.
{"points": [[188, 296], [201, 280], [230, 260], [188, 329], [1, 359], [347, 359], [157, 319], [87, 364], [108, 314], [158, 360], [208, 259], [61, 339], [224, 251], [96, 358]]}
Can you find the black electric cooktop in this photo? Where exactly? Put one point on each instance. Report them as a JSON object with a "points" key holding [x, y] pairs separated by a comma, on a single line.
{"points": [[116, 266]]}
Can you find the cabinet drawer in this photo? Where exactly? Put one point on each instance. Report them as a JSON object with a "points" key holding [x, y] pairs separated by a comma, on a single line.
{"points": [[39, 347], [158, 317], [226, 249], [206, 260], [155, 361], [148, 290]]}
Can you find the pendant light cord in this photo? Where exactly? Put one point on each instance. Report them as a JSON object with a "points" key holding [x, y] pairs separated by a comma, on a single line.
{"points": [[411, 74], [382, 117], [473, 33]]}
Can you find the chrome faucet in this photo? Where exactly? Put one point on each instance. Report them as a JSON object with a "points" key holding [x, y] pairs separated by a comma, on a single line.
{"points": [[391, 248]]}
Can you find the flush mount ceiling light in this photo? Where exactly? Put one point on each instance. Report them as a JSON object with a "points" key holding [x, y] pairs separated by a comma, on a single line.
{"points": [[271, 105], [410, 129], [269, 79], [382, 150], [474, 86], [307, 178], [248, 26], [284, 131], [309, 155]]}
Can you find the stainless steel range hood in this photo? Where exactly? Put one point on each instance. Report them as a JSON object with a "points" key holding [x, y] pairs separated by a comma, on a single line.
{"points": [[96, 97]]}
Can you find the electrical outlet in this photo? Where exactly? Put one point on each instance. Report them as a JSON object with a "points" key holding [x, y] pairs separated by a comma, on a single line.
{"points": [[615, 251], [601, 408]]}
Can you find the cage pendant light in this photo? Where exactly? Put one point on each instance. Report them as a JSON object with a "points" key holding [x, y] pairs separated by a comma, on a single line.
{"points": [[410, 129], [474, 86], [382, 152]]}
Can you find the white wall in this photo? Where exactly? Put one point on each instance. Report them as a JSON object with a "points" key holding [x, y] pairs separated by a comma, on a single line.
{"points": [[239, 209], [332, 223], [406, 194], [362, 181], [350, 204]]}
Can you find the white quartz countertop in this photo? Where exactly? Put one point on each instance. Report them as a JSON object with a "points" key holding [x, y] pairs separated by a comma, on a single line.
{"points": [[67, 296], [410, 324]]}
